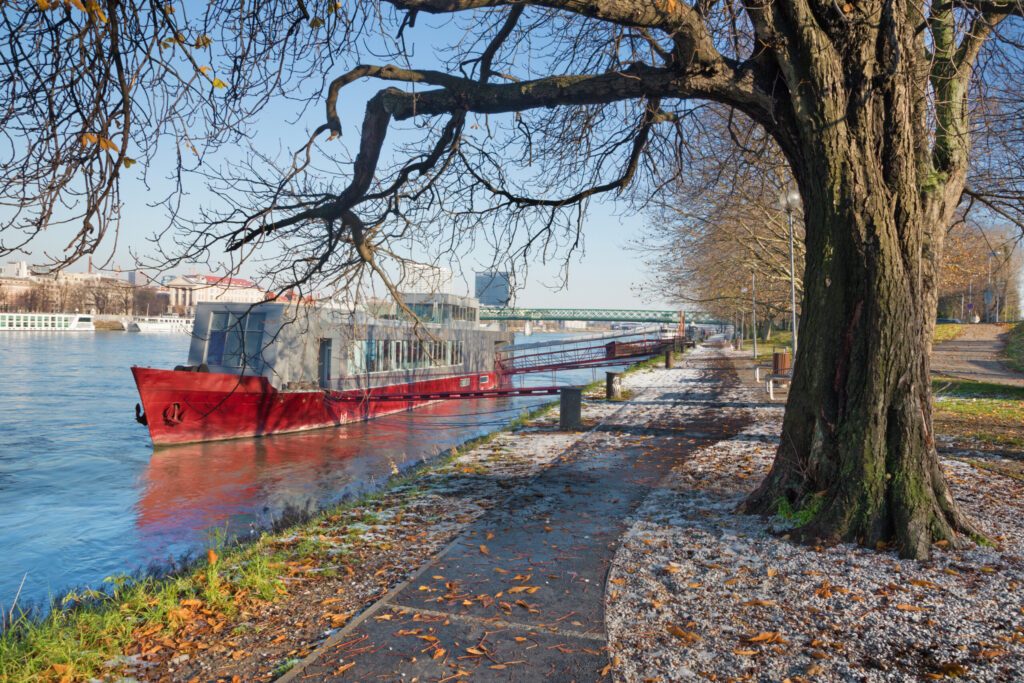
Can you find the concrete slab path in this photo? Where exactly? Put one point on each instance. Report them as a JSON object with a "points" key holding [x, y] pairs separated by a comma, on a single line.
{"points": [[520, 595], [975, 355]]}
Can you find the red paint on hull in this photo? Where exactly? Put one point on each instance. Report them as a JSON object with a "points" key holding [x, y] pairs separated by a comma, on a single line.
{"points": [[186, 407]]}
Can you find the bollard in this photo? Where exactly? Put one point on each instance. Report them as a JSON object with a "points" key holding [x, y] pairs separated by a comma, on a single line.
{"points": [[613, 385], [668, 358], [569, 404]]}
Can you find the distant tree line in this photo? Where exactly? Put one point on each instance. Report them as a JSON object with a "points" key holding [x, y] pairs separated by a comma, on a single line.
{"points": [[106, 296]]}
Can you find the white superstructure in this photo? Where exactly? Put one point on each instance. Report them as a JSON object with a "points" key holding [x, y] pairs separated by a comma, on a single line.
{"points": [[46, 322], [163, 323]]}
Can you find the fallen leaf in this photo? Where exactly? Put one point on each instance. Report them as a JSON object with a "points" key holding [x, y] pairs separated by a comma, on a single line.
{"points": [[685, 636], [766, 637]]}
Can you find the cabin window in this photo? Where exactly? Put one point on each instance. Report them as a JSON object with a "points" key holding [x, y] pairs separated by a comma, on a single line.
{"points": [[357, 354], [384, 355], [236, 340], [324, 363]]}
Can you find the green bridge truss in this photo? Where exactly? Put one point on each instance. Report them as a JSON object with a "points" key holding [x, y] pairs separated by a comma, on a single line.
{"points": [[618, 315]]}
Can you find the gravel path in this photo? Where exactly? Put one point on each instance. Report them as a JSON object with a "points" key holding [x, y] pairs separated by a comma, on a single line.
{"points": [[975, 355], [697, 592]]}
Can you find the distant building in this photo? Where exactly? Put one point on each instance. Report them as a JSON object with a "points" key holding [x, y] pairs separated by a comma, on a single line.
{"points": [[15, 269], [494, 288], [137, 278], [188, 290], [422, 278]]}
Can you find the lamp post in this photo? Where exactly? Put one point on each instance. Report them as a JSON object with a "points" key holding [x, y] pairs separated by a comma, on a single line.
{"points": [[789, 201], [753, 310], [992, 305]]}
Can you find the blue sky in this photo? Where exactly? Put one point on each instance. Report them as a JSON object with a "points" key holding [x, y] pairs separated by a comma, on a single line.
{"points": [[601, 276]]}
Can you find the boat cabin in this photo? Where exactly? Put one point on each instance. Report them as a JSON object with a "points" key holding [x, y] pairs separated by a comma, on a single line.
{"points": [[311, 347]]}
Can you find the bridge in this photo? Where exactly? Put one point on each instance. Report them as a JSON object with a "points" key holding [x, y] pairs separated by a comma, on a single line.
{"points": [[492, 313]]}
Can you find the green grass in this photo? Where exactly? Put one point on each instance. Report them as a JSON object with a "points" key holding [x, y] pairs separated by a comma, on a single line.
{"points": [[979, 411], [1013, 354], [784, 339], [77, 639], [947, 332], [804, 515], [965, 388], [780, 340]]}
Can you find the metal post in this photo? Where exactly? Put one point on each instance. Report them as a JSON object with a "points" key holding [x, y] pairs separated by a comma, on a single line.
{"points": [[792, 277], [668, 359], [988, 304], [970, 295], [613, 385], [570, 402], [753, 310]]}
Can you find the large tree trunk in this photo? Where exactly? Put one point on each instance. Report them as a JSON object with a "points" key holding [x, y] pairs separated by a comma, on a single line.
{"points": [[857, 445], [857, 451]]}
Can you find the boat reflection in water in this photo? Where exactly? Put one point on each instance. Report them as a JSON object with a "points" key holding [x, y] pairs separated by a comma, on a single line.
{"points": [[246, 484]]}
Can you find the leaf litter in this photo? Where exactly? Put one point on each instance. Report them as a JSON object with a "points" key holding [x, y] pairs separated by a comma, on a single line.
{"points": [[802, 613]]}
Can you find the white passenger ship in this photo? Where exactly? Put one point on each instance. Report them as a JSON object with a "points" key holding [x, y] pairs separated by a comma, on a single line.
{"points": [[163, 323], [46, 322]]}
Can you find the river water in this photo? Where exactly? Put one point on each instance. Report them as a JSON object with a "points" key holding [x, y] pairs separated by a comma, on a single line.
{"points": [[83, 495]]}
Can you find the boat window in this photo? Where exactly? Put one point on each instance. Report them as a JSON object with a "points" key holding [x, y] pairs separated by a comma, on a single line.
{"points": [[357, 354], [383, 355], [236, 341]]}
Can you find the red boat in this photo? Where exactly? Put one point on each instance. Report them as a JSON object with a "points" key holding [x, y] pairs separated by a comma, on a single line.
{"points": [[284, 367]]}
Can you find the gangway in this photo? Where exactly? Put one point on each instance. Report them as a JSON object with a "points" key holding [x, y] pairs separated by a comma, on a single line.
{"points": [[582, 352], [445, 395], [577, 352]]}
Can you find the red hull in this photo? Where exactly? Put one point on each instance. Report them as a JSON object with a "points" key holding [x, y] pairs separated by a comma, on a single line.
{"points": [[186, 407]]}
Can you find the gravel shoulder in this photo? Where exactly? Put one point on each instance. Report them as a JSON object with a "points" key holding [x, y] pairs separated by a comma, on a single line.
{"points": [[697, 592]]}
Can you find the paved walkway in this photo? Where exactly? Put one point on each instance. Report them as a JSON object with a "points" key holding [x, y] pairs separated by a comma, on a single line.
{"points": [[520, 595], [975, 355]]}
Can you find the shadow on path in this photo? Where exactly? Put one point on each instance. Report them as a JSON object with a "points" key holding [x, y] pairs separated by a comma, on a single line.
{"points": [[519, 596]]}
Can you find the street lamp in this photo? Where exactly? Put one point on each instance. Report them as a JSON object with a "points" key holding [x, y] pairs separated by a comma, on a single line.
{"points": [[754, 310], [789, 202], [992, 304]]}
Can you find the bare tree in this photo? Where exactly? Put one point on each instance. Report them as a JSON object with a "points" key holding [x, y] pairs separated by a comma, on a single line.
{"points": [[509, 132], [717, 231]]}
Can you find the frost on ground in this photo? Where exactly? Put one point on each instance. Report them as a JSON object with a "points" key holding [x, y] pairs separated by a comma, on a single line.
{"points": [[697, 592]]}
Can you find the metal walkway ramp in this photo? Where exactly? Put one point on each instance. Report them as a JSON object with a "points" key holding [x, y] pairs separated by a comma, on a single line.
{"points": [[583, 352], [546, 356]]}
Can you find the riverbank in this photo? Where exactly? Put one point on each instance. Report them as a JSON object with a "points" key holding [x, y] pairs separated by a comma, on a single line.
{"points": [[231, 612]]}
